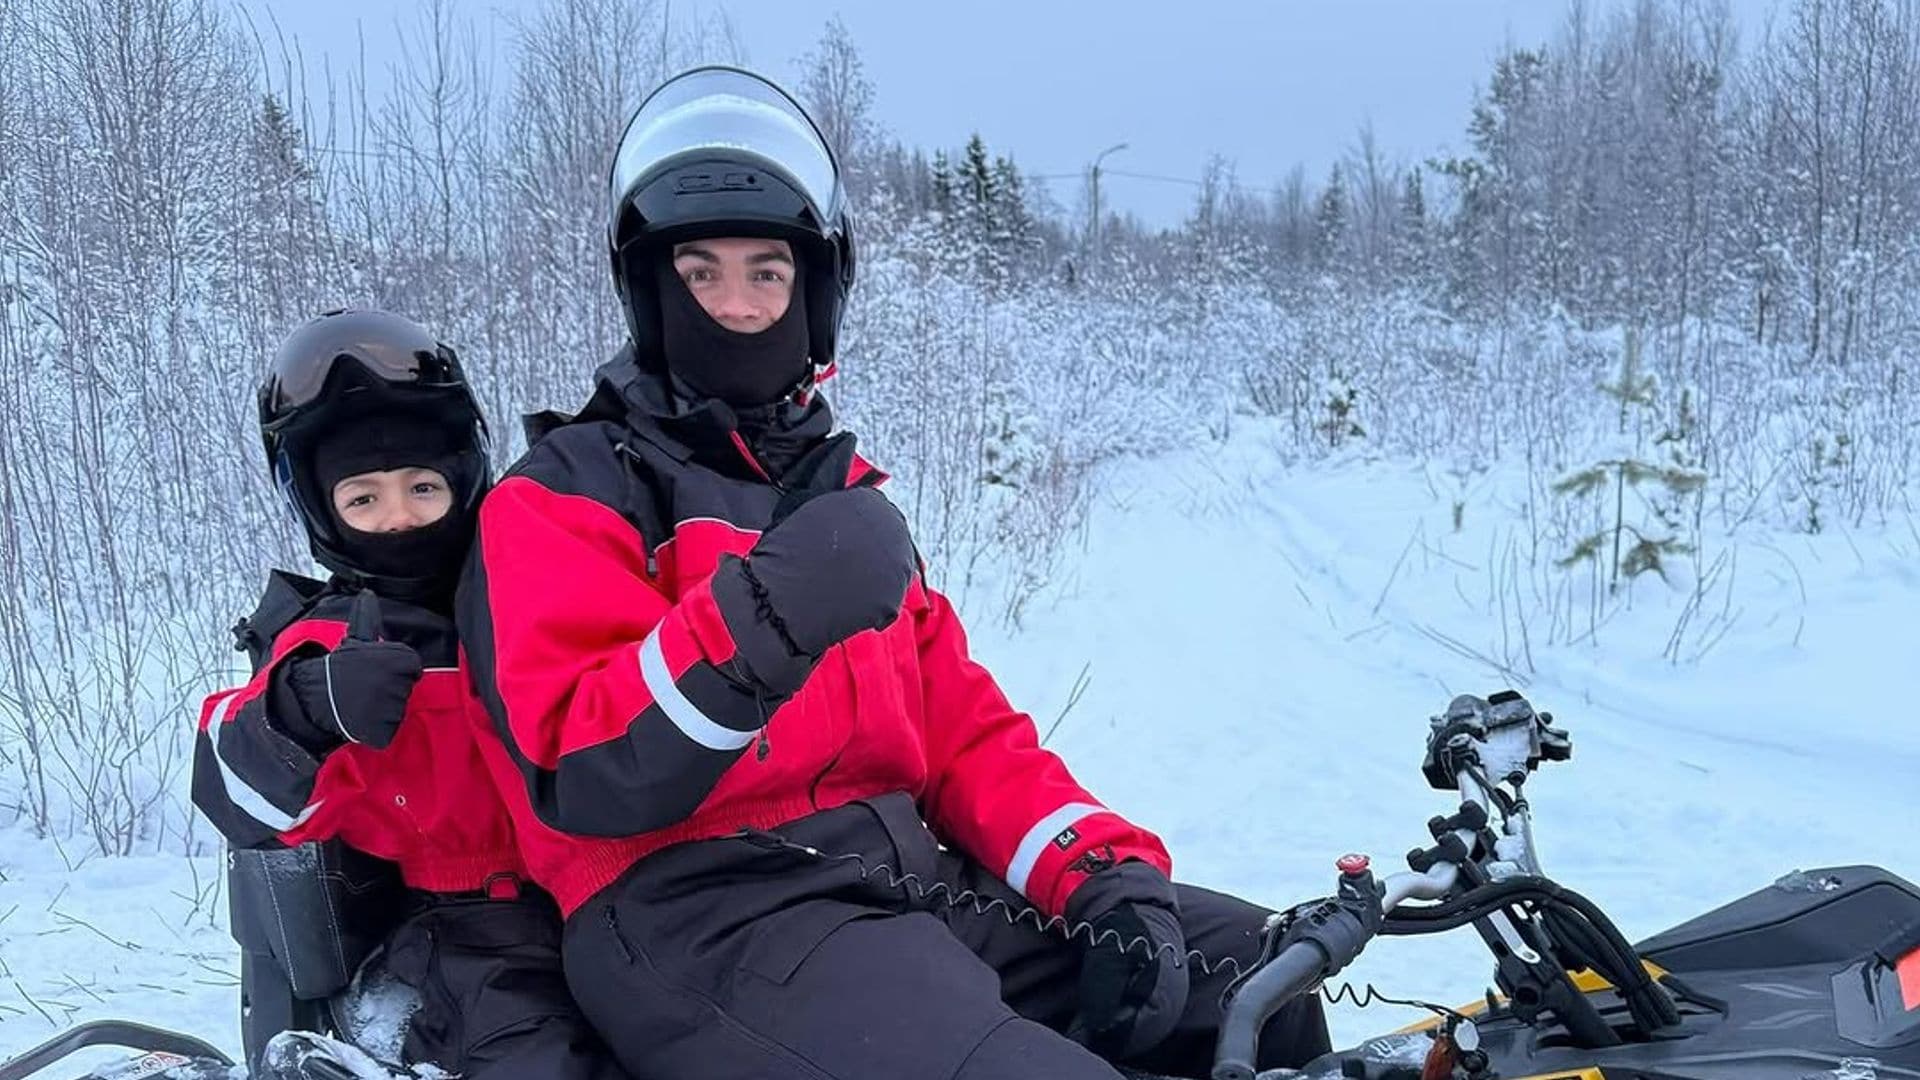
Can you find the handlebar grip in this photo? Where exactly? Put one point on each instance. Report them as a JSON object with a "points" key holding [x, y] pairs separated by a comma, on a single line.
{"points": [[1285, 978]]}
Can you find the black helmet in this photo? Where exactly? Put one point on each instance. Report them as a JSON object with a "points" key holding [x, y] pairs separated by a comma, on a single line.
{"points": [[346, 367], [719, 151]]}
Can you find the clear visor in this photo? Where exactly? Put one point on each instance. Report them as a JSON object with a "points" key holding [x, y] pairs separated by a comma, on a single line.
{"points": [[725, 109]]}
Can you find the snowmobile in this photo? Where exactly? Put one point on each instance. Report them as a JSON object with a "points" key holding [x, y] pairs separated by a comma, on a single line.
{"points": [[1815, 977], [316, 1003]]}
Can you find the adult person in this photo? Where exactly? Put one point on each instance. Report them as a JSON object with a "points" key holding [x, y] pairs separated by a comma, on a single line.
{"points": [[796, 830]]}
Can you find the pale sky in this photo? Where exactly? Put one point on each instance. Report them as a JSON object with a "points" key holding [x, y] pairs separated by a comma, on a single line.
{"points": [[1267, 83]]}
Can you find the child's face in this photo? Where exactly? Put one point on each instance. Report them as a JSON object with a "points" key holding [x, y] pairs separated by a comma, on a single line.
{"points": [[392, 500]]}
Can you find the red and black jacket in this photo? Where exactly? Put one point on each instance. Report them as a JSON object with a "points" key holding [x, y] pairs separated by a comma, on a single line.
{"points": [[595, 644], [425, 802]]}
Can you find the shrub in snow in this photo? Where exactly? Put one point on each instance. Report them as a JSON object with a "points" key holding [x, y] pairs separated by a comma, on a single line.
{"points": [[1630, 540]]}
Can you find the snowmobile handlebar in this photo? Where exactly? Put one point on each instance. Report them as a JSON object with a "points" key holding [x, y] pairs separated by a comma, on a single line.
{"points": [[1279, 981], [1435, 880], [1470, 745], [166, 1046], [1323, 939]]}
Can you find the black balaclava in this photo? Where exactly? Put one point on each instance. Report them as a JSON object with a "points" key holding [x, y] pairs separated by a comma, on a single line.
{"points": [[396, 441], [742, 370]]}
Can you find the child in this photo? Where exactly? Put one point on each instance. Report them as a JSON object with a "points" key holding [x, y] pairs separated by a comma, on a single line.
{"points": [[358, 725]]}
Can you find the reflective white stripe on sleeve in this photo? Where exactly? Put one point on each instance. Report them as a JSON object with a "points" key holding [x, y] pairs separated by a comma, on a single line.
{"points": [[685, 715], [1034, 844], [250, 802]]}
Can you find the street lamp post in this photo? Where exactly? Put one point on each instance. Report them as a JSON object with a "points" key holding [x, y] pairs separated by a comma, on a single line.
{"points": [[1095, 246]]}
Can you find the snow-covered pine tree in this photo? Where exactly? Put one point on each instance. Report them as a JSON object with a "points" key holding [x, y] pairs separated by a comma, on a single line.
{"points": [[1412, 232], [1330, 221], [942, 183], [1017, 234], [978, 188]]}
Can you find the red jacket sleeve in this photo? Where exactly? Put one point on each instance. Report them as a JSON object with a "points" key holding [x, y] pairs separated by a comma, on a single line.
{"points": [[258, 786], [607, 694], [998, 795]]}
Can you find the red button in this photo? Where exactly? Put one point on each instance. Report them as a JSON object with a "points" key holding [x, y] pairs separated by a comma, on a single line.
{"points": [[1353, 865]]}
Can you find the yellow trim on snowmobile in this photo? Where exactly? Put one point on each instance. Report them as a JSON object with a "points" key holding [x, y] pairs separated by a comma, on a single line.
{"points": [[1587, 982], [1583, 1074], [1584, 980]]}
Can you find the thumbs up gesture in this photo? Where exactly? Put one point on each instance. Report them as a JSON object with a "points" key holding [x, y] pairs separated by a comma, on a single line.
{"points": [[358, 692]]}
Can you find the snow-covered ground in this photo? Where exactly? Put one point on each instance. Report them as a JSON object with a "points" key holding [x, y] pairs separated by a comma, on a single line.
{"points": [[1261, 646], [1259, 676]]}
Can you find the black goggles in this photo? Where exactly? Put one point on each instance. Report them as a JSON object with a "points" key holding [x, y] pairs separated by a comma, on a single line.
{"points": [[294, 386]]}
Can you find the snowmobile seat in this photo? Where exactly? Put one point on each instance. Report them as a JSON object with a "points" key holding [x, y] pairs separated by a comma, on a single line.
{"points": [[1830, 915], [305, 918]]}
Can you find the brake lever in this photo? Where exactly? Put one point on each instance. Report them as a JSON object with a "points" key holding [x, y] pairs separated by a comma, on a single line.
{"points": [[1273, 937], [1339, 926]]}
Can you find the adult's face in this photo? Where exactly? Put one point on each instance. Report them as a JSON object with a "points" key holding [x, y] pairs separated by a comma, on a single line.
{"points": [[743, 283]]}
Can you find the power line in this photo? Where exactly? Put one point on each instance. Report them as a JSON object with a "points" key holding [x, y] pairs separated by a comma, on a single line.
{"points": [[1163, 178], [1188, 181], [401, 154]]}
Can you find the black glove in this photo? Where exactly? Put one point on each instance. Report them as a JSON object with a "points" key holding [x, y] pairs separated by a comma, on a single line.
{"points": [[356, 693], [1133, 971], [839, 564]]}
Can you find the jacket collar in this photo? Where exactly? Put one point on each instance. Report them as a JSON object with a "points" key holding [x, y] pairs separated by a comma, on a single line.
{"points": [[760, 443]]}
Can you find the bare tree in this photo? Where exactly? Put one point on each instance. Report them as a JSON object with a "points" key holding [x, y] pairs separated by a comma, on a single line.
{"points": [[1375, 186], [171, 202], [839, 97]]}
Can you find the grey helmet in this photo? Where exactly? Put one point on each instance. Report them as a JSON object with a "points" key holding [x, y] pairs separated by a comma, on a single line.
{"points": [[718, 151]]}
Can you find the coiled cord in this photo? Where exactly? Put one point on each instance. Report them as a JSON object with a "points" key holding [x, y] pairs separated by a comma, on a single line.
{"points": [[940, 892]]}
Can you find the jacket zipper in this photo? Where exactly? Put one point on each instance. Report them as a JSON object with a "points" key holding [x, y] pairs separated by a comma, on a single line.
{"points": [[853, 727], [653, 561], [740, 444]]}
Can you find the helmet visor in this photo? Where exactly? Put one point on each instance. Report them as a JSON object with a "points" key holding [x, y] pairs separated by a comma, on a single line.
{"points": [[725, 111], [299, 375]]}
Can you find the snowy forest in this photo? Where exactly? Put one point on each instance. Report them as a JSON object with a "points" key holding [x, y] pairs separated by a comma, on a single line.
{"points": [[1671, 271]]}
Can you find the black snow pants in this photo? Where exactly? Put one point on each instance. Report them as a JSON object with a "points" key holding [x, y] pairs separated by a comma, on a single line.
{"points": [[727, 960], [493, 1003]]}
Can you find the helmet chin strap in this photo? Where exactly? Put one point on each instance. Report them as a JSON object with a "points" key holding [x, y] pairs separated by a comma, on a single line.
{"points": [[803, 390]]}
